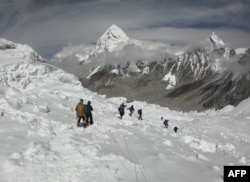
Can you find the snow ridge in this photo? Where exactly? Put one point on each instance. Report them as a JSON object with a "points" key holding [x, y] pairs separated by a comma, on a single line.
{"points": [[11, 52]]}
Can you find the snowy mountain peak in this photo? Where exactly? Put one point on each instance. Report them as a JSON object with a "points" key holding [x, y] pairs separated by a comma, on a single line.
{"points": [[111, 39], [114, 32], [216, 40]]}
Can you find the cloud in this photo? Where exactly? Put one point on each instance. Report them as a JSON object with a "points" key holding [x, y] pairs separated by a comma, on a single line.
{"points": [[237, 64], [49, 25], [184, 36], [146, 52], [133, 53]]}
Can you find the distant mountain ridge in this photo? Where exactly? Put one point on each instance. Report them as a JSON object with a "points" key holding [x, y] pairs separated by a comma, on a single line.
{"points": [[207, 75]]}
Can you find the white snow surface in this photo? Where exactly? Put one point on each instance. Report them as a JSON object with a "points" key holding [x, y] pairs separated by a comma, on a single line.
{"points": [[18, 52], [40, 141]]}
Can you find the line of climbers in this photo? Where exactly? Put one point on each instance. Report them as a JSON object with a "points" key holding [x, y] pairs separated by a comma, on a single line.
{"points": [[131, 109], [84, 112], [121, 110]]}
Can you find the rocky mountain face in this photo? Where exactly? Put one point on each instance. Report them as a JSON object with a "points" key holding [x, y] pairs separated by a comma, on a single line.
{"points": [[208, 75]]}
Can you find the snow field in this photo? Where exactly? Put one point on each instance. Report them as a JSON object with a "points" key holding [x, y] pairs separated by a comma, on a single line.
{"points": [[40, 141]]}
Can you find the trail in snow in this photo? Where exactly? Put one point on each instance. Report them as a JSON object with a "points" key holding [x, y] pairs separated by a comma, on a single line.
{"points": [[40, 140]]}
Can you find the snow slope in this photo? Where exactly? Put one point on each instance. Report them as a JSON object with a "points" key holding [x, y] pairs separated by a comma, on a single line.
{"points": [[40, 141], [11, 52]]}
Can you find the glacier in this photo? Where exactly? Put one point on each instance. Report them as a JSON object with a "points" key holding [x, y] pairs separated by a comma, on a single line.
{"points": [[41, 142]]}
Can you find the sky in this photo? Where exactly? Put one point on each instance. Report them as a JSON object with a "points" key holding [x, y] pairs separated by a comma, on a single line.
{"points": [[50, 25]]}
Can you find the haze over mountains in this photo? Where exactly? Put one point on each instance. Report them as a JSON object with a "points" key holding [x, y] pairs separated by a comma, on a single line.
{"points": [[209, 74]]}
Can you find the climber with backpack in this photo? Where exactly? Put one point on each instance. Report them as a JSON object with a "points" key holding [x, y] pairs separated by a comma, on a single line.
{"points": [[80, 113], [121, 110], [131, 110], [165, 122], [140, 114], [88, 110]]}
